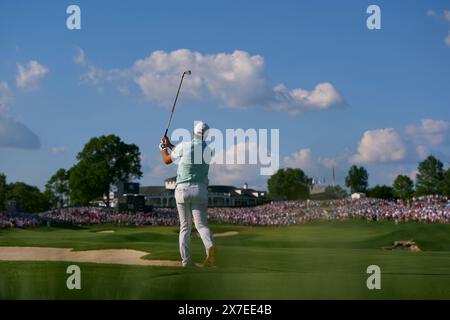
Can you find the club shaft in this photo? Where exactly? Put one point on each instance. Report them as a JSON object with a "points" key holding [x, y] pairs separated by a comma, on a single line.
{"points": [[174, 104]]}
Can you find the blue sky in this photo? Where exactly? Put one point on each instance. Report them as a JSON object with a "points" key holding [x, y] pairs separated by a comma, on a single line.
{"points": [[390, 110]]}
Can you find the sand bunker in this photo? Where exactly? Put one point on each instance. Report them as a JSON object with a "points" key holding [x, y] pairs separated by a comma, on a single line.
{"points": [[226, 234], [408, 245], [106, 231], [110, 256]]}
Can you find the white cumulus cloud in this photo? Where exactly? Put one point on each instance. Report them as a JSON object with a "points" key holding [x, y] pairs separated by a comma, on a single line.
{"points": [[236, 174], [13, 134], [446, 15], [58, 149], [296, 101], [235, 80], [29, 75], [433, 132], [4, 97], [431, 13], [382, 145], [422, 151], [80, 57], [447, 39], [299, 159], [328, 162], [319, 168]]}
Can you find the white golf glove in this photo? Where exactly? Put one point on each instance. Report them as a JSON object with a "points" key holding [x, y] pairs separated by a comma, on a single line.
{"points": [[162, 146]]}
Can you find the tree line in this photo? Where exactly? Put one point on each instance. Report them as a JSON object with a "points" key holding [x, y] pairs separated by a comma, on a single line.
{"points": [[30, 197], [106, 160], [102, 163], [431, 178]]}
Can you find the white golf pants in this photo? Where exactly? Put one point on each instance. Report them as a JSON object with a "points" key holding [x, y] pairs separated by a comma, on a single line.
{"points": [[192, 202]]}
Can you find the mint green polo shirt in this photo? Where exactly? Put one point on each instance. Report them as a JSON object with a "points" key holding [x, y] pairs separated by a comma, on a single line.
{"points": [[194, 159]]}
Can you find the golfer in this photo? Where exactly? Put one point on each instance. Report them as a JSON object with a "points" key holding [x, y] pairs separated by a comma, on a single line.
{"points": [[191, 191]]}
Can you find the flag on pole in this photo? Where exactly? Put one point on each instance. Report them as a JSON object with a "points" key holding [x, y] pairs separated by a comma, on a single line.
{"points": [[334, 177]]}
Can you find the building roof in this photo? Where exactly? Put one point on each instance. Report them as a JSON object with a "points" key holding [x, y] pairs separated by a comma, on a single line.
{"points": [[222, 189], [233, 191], [253, 190]]}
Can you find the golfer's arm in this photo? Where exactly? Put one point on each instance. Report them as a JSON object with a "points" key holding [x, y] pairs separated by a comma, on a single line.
{"points": [[167, 159]]}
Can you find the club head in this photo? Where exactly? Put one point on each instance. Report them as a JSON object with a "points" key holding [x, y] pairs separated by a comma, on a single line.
{"points": [[188, 72]]}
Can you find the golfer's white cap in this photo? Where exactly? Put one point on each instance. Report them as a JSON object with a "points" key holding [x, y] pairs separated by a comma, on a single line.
{"points": [[201, 129]]}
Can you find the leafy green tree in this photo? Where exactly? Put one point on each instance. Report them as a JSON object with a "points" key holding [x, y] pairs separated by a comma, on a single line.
{"points": [[3, 190], [103, 162], [403, 187], [88, 181], [446, 184], [381, 192], [57, 188], [288, 184], [430, 178], [30, 198], [357, 179]]}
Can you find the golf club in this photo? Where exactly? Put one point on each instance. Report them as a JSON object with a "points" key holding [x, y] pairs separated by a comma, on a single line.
{"points": [[188, 72]]}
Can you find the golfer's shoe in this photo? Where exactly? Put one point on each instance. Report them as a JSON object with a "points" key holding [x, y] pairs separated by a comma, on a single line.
{"points": [[210, 260], [188, 265]]}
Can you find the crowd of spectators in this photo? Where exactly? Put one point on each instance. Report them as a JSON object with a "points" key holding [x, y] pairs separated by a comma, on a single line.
{"points": [[277, 213], [21, 220], [101, 215], [90, 216], [421, 209]]}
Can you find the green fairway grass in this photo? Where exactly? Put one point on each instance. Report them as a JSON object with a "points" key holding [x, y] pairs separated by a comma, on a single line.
{"points": [[319, 260]]}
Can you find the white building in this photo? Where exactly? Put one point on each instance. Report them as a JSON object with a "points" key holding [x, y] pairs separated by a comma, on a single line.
{"points": [[358, 195], [218, 196]]}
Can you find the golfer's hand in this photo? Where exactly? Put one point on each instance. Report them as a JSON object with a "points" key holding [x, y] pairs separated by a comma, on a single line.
{"points": [[166, 141]]}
